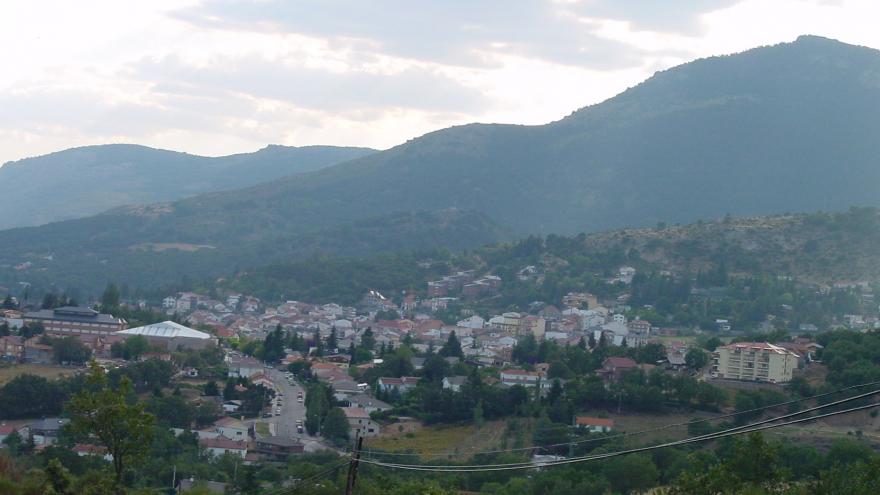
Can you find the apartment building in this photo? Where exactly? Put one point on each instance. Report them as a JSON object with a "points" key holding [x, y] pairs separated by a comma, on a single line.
{"points": [[755, 361]]}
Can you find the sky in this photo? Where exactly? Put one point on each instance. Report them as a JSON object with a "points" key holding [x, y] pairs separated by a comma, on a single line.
{"points": [[215, 77]]}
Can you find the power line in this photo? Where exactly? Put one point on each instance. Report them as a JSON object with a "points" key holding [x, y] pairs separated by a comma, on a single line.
{"points": [[434, 455], [618, 453], [770, 420], [302, 482]]}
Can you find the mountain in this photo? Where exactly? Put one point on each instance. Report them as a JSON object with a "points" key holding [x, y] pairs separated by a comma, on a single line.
{"points": [[85, 181], [784, 128]]}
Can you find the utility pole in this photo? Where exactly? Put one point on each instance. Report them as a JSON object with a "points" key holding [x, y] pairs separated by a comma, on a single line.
{"points": [[353, 466], [174, 478]]}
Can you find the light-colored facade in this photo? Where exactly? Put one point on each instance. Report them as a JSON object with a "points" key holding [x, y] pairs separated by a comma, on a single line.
{"points": [[755, 361], [360, 422]]}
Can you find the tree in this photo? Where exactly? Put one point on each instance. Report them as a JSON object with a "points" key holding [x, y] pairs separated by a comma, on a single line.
{"points": [[211, 389], [696, 358], [452, 347], [336, 427], [368, 341], [134, 347], [104, 412], [70, 350], [332, 341], [58, 480], [110, 299]]}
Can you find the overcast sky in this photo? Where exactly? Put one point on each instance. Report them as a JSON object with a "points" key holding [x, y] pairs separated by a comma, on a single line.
{"points": [[222, 76]]}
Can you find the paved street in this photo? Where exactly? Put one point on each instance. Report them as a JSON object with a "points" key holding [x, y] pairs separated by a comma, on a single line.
{"points": [[291, 410]]}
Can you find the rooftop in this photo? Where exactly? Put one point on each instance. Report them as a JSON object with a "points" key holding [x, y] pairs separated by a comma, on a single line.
{"points": [[168, 330], [73, 314]]}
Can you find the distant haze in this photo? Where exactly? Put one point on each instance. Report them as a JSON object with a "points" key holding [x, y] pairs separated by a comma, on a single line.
{"points": [[215, 77]]}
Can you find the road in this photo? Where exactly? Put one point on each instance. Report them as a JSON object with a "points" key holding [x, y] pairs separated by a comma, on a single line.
{"points": [[291, 410]]}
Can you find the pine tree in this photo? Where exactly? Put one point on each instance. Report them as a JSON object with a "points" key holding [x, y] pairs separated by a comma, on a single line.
{"points": [[452, 347]]}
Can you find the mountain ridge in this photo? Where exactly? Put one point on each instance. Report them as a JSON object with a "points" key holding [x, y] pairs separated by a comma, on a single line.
{"points": [[785, 128], [60, 186]]}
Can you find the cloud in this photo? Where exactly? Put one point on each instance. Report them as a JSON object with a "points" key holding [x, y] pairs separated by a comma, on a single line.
{"points": [[313, 88], [460, 32], [675, 16]]}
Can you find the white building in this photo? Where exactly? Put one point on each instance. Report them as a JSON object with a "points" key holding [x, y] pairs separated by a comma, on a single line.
{"points": [[755, 361]]}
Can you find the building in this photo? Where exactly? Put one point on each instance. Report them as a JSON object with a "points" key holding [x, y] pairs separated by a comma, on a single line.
{"points": [[87, 449], [222, 445], [46, 431], [614, 367], [594, 425], [360, 422], [172, 336], [231, 428], [402, 385], [72, 320], [755, 361], [520, 377], [278, 448], [454, 383], [242, 366], [35, 352], [12, 347], [367, 403]]}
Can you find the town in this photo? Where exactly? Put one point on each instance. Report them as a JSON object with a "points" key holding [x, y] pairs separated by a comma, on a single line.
{"points": [[264, 382]]}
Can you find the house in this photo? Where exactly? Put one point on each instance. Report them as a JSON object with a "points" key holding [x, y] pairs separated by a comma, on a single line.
{"points": [[360, 422], [521, 377], [222, 445], [594, 425], [231, 428], [242, 366], [278, 448], [12, 347], [231, 405], [454, 383], [6, 430], [417, 362], [614, 367], [402, 385], [190, 484], [86, 449], [367, 403], [46, 431], [474, 322], [37, 353]]}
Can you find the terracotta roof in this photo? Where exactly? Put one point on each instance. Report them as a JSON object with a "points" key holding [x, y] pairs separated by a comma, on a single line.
{"points": [[355, 413], [222, 442], [619, 362], [86, 448]]}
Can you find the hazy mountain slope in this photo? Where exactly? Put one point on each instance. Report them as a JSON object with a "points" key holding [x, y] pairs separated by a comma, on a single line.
{"points": [[84, 181], [792, 127]]}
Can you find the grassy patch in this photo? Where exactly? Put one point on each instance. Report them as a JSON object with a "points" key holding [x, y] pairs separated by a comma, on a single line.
{"points": [[9, 372], [262, 429], [429, 440]]}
